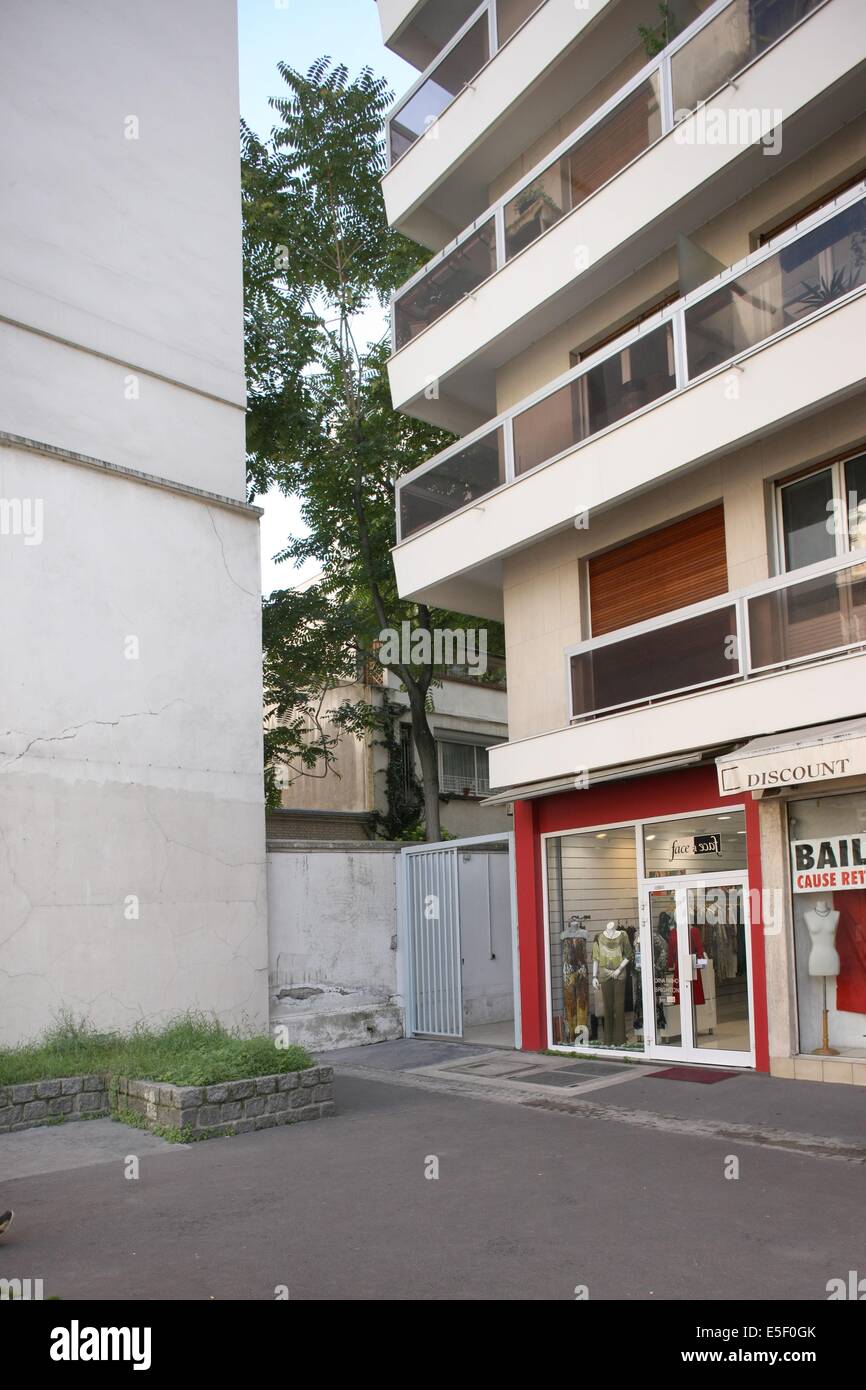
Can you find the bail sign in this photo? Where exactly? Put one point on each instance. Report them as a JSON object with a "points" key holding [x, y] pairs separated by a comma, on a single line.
{"points": [[834, 864]]}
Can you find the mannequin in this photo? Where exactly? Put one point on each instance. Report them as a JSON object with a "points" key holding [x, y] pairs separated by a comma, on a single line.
{"points": [[611, 953], [574, 979], [822, 921]]}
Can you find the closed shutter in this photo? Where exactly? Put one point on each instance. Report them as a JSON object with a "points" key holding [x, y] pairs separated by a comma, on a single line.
{"points": [[670, 568]]}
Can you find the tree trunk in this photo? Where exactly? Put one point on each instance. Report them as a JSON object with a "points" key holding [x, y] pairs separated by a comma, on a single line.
{"points": [[427, 756]]}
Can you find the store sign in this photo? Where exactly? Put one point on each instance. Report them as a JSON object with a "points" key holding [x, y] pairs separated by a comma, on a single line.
{"points": [[695, 844], [822, 762], [834, 864]]}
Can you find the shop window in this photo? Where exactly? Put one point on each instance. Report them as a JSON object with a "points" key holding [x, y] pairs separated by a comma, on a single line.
{"points": [[707, 845], [822, 513], [827, 838], [592, 881], [463, 769]]}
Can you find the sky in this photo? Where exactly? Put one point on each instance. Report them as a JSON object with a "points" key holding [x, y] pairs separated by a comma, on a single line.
{"points": [[298, 32]]}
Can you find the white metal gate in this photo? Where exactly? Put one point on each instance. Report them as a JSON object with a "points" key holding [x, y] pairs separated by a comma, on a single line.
{"points": [[429, 932]]}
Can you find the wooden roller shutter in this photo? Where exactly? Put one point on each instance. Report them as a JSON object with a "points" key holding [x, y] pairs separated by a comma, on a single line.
{"points": [[670, 568]]}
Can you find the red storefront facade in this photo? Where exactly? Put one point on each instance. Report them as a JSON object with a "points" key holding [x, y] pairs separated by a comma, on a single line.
{"points": [[681, 811]]}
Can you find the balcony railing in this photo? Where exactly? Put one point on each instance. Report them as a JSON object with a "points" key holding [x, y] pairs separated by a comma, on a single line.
{"points": [[708, 54], [474, 44], [803, 617], [809, 269]]}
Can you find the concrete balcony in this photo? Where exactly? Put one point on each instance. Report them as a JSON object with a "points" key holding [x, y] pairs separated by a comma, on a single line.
{"points": [[616, 194], [789, 652], [771, 340], [507, 74], [419, 29]]}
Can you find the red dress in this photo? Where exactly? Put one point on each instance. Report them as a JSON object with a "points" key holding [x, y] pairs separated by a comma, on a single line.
{"points": [[851, 945], [697, 949]]}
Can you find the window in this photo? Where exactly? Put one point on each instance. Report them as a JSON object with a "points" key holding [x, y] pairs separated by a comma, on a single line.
{"points": [[625, 326], [463, 769], [822, 513], [407, 759], [763, 237]]}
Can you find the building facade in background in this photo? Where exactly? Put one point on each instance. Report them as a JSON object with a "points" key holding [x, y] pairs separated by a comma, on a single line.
{"points": [[132, 868], [350, 798], [644, 314]]}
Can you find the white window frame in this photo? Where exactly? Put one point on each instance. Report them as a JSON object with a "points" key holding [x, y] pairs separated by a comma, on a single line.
{"points": [[836, 468], [480, 747]]}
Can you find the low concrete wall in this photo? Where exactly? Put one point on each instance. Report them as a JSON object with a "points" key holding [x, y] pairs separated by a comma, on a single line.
{"points": [[31, 1103], [332, 915]]}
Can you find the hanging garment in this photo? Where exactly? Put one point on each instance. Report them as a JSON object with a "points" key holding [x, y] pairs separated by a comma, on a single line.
{"points": [[696, 946], [851, 945], [575, 982]]}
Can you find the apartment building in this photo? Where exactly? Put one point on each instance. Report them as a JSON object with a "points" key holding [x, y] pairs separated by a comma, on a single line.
{"points": [[644, 316], [132, 836]]}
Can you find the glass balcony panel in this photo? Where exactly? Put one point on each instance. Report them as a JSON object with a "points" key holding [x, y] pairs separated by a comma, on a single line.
{"points": [[810, 273], [457, 68], [694, 652], [615, 388], [462, 477], [446, 284], [808, 618], [727, 44], [625, 133], [510, 14]]}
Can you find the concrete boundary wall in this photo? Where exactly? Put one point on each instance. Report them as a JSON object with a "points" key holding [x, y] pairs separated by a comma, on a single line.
{"points": [[332, 931]]}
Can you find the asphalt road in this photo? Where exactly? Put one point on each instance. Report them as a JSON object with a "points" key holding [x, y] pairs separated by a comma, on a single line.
{"points": [[528, 1204]]}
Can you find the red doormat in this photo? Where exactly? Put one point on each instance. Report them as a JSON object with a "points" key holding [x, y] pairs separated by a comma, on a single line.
{"points": [[704, 1076]]}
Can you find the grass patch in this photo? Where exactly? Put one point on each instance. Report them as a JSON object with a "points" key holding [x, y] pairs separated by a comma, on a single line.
{"points": [[189, 1051]]}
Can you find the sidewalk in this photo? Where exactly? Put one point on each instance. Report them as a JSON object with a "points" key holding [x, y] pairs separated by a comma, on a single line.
{"points": [[804, 1116]]}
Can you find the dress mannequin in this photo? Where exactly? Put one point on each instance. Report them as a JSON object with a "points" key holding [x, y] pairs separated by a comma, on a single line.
{"points": [[611, 953], [822, 922]]}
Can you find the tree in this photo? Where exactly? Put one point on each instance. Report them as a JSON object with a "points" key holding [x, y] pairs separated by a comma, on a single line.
{"points": [[318, 255]]}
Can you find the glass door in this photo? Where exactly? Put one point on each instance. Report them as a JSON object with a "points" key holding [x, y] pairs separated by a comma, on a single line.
{"points": [[697, 994]]}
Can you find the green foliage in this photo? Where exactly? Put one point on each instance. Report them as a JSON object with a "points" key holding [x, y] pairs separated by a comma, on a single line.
{"points": [[657, 37], [190, 1051], [318, 255]]}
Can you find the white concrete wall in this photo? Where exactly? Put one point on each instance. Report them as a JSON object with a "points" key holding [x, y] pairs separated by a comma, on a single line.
{"points": [[128, 248], [129, 779], [132, 857], [333, 918]]}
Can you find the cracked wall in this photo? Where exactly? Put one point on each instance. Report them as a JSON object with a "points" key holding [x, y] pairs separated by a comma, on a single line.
{"points": [[132, 864]]}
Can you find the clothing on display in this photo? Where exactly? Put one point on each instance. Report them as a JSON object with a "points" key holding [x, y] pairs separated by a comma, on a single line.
{"points": [[851, 945], [612, 953], [575, 978], [696, 947]]}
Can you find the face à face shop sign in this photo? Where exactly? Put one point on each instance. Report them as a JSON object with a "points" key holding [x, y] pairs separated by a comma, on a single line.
{"points": [[833, 864], [695, 844]]}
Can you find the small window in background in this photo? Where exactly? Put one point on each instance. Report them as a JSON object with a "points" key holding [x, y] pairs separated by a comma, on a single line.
{"points": [[464, 769], [807, 520]]}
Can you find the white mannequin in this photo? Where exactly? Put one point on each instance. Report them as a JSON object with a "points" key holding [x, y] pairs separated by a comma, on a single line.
{"points": [[822, 922], [611, 931]]}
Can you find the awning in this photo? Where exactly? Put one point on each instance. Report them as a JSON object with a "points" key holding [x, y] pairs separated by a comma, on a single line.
{"points": [[822, 753], [530, 791]]}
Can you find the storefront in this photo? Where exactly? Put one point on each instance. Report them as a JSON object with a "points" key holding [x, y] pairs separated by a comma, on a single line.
{"points": [[644, 938], [811, 790]]}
